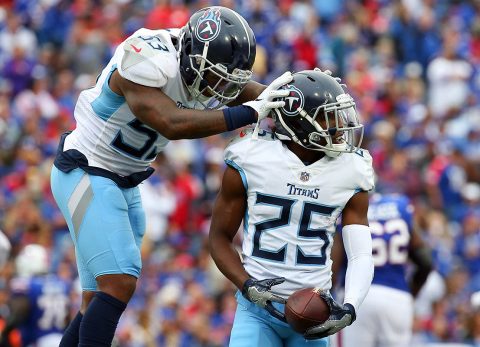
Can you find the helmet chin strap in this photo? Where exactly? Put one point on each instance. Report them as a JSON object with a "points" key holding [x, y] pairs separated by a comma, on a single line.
{"points": [[334, 154]]}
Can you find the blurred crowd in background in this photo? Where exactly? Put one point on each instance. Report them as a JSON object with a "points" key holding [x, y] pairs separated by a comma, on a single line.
{"points": [[413, 67]]}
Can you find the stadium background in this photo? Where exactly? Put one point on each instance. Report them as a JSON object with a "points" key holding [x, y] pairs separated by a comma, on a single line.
{"points": [[412, 66]]}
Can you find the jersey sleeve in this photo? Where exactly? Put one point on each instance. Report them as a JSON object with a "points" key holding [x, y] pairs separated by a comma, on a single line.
{"points": [[239, 150], [149, 58], [235, 153], [365, 176]]}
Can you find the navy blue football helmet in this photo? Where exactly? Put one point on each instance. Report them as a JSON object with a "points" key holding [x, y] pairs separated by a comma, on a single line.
{"points": [[319, 115], [216, 53]]}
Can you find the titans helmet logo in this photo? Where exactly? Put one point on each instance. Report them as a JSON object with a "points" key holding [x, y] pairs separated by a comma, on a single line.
{"points": [[293, 101], [208, 26]]}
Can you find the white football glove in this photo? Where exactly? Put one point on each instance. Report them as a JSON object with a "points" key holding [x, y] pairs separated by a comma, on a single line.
{"points": [[264, 103], [329, 73]]}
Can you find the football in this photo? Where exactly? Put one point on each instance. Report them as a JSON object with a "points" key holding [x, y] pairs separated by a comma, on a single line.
{"points": [[305, 308]]}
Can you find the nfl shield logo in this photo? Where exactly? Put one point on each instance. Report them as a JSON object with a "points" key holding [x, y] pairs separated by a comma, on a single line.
{"points": [[304, 176]]}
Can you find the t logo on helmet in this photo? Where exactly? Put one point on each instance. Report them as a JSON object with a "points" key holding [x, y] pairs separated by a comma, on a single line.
{"points": [[208, 26], [293, 101]]}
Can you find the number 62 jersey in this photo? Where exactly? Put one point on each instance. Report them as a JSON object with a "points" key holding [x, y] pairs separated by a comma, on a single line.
{"points": [[292, 208], [390, 217]]}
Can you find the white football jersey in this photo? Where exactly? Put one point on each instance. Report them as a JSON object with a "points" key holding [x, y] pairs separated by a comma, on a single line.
{"points": [[107, 132], [292, 208]]}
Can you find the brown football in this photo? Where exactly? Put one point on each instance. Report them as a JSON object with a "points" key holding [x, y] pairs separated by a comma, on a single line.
{"points": [[305, 308]]}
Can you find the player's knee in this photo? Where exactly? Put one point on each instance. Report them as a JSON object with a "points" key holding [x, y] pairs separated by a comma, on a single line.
{"points": [[87, 297], [120, 286]]}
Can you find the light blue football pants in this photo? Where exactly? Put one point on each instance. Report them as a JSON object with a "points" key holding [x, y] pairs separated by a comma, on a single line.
{"points": [[106, 223], [255, 327]]}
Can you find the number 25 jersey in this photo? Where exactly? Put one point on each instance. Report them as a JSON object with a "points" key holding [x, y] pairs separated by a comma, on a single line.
{"points": [[292, 208]]}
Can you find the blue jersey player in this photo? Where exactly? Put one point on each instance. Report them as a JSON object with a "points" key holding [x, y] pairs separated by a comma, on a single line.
{"points": [[40, 301], [386, 316]]}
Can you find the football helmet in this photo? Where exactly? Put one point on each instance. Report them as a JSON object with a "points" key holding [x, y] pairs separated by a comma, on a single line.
{"points": [[319, 115], [216, 53], [32, 260]]}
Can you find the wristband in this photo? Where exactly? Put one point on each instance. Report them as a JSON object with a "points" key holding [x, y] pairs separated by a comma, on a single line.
{"points": [[239, 116]]}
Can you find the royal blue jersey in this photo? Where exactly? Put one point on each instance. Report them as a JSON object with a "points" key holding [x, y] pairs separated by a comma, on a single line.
{"points": [[390, 218], [49, 305]]}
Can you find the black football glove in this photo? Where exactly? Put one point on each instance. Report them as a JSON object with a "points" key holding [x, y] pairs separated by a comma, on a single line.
{"points": [[258, 292], [340, 317]]}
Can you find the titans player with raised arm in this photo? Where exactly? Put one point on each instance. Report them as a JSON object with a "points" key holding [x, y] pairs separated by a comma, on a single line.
{"points": [[160, 85], [289, 187], [386, 316]]}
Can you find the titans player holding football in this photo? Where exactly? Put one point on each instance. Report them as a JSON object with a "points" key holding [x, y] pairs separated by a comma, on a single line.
{"points": [[289, 187], [386, 316], [160, 85]]}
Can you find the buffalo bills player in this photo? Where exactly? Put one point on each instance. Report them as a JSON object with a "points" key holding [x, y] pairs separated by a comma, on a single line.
{"points": [[386, 316], [160, 85], [40, 301], [289, 187]]}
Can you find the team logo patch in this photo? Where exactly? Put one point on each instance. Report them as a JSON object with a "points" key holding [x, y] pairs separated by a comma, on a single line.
{"points": [[208, 25], [304, 176], [293, 101]]}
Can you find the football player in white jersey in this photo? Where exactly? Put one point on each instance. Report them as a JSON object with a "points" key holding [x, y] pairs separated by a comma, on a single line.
{"points": [[159, 85], [386, 316], [289, 187]]}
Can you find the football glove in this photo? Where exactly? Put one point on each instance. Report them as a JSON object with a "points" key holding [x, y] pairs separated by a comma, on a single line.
{"points": [[264, 103], [329, 73], [258, 292], [340, 317]]}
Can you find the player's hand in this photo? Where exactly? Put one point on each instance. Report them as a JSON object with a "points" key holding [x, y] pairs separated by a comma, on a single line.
{"points": [[329, 73], [258, 292], [340, 317], [264, 103]]}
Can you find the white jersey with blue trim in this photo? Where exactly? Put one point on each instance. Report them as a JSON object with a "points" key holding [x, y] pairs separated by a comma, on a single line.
{"points": [[293, 208], [107, 131]]}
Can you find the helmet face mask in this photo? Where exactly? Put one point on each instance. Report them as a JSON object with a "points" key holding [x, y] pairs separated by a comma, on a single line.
{"points": [[319, 115], [214, 80], [216, 54]]}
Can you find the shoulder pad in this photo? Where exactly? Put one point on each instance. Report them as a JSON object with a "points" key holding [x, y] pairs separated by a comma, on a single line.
{"points": [[364, 170], [247, 134], [149, 58]]}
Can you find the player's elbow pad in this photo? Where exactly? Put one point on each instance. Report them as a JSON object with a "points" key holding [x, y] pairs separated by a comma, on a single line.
{"points": [[357, 241]]}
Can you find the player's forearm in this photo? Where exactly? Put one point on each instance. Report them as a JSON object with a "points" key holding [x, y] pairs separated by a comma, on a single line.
{"points": [[423, 260], [190, 124], [228, 260], [358, 246]]}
